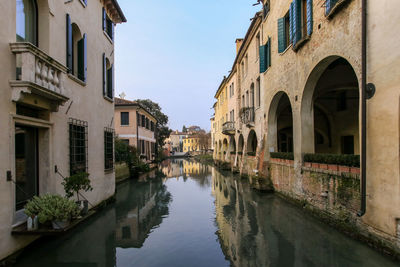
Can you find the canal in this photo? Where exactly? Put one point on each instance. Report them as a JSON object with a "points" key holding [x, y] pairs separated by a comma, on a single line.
{"points": [[194, 215]]}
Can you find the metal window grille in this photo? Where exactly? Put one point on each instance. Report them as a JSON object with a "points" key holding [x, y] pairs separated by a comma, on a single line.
{"points": [[78, 146], [108, 148]]}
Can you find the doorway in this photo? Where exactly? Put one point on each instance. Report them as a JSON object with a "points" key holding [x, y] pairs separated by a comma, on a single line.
{"points": [[26, 165]]}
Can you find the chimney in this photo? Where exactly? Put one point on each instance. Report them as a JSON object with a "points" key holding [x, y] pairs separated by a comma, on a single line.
{"points": [[239, 43]]}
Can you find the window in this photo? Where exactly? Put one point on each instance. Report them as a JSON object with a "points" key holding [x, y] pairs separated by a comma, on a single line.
{"points": [[147, 123], [124, 118], [265, 9], [265, 56], [242, 70], [109, 149], [247, 98], [283, 33], [26, 19], [141, 148], [152, 126], [143, 121], [301, 20], [108, 25], [258, 45], [77, 146], [258, 92], [108, 78], [331, 6], [252, 95], [76, 51], [246, 65]]}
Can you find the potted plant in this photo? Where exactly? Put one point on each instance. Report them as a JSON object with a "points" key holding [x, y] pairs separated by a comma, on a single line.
{"points": [[74, 184], [32, 209], [54, 209]]}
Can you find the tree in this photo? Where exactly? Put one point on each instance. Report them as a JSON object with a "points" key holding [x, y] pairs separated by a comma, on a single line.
{"points": [[184, 129], [162, 128]]}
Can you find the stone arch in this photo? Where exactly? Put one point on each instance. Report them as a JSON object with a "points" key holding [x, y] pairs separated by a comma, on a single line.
{"points": [[280, 124], [240, 143], [252, 142], [330, 106]]}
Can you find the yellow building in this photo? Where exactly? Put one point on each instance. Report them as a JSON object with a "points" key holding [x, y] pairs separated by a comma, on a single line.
{"points": [[221, 116], [191, 143]]}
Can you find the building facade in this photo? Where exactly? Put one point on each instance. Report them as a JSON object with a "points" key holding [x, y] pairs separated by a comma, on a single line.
{"points": [[57, 108], [136, 126], [307, 125]]}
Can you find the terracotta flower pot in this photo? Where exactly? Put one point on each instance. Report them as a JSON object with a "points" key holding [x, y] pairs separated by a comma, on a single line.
{"points": [[323, 166], [344, 169], [355, 170], [333, 167], [315, 165]]}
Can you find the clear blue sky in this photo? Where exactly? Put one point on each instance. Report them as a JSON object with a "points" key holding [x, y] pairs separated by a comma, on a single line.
{"points": [[176, 52]]}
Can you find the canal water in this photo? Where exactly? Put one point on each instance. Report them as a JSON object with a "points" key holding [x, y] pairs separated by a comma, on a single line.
{"points": [[193, 215]]}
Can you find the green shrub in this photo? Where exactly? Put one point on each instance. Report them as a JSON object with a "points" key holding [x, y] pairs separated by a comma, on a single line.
{"points": [[282, 155], [76, 183], [233, 152], [52, 208], [337, 159], [251, 153]]}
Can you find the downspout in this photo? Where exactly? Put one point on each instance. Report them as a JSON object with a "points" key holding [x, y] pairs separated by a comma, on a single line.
{"points": [[137, 131], [363, 107]]}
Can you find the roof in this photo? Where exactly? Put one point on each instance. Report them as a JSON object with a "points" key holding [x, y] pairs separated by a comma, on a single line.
{"points": [[119, 102], [114, 11]]}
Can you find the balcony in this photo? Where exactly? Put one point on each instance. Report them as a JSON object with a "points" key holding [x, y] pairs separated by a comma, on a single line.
{"points": [[247, 116], [228, 128], [39, 78]]}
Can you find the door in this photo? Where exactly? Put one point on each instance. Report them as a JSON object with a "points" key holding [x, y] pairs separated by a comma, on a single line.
{"points": [[26, 165]]}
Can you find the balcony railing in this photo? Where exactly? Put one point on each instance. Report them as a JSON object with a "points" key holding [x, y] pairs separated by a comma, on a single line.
{"points": [[38, 74], [228, 128], [247, 115]]}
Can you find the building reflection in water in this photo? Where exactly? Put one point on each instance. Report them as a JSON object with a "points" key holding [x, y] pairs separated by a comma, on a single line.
{"points": [[140, 208], [256, 229]]}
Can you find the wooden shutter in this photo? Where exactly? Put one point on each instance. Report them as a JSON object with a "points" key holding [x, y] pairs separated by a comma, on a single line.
{"points": [[291, 22], [269, 53], [110, 81], [104, 73], [309, 17], [104, 19], [329, 4], [296, 21], [281, 35], [263, 62], [69, 44], [82, 59]]}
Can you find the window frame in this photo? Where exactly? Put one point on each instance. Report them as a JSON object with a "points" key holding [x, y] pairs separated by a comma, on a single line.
{"points": [[75, 143], [122, 120], [109, 149]]}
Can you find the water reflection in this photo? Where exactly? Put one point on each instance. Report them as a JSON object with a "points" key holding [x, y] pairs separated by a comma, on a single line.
{"points": [[171, 219], [140, 208], [262, 230]]}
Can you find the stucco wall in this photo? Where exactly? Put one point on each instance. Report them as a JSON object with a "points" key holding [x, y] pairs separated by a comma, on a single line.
{"points": [[85, 103]]}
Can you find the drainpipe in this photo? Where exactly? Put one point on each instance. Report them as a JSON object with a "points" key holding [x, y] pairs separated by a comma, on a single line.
{"points": [[363, 106], [137, 130]]}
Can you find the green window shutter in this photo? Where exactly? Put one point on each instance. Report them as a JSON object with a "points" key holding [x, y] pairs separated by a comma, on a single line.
{"points": [[110, 89], [269, 53], [263, 62], [309, 17], [291, 22], [104, 19], [69, 44], [82, 59], [296, 21], [281, 35], [329, 4], [104, 74]]}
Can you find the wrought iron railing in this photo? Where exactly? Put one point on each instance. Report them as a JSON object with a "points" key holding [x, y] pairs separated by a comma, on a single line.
{"points": [[228, 128]]}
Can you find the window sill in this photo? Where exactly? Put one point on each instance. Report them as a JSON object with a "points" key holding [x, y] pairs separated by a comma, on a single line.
{"points": [[108, 99], [301, 43], [108, 171], [266, 70], [74, 78], [125, 125], [108, 37], [287, 48], [83, 3], [337, 7]]}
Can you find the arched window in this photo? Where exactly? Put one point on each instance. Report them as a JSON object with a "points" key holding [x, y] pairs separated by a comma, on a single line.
{"points": [[26, 21]]}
